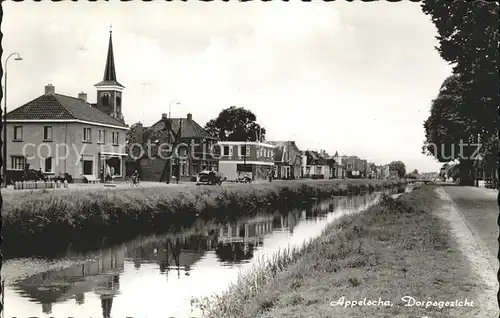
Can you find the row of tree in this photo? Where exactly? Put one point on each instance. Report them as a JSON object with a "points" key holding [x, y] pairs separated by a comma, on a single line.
{"points": [[463, 116]]}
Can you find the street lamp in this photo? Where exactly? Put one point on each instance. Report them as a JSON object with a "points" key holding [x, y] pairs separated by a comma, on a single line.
{"points": [[169, 161], [17, 58]]}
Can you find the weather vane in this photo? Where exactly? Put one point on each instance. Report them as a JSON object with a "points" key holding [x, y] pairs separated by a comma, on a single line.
{"points": [[110, 28]]}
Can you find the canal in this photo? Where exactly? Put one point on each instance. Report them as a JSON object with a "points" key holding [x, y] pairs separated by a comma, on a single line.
{"points": [[158, 276]]}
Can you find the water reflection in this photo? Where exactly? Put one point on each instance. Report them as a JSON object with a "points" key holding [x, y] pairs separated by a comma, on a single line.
{"points": [[125, 279]]}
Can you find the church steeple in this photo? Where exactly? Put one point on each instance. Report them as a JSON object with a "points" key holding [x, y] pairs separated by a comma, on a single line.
{"points": [[109, 90], [109, 71], [109, 77]]}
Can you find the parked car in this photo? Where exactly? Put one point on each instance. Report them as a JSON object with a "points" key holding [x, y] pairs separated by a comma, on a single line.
{"points": [[33, 175], [63, 177], [244, 179], [210, 178]]}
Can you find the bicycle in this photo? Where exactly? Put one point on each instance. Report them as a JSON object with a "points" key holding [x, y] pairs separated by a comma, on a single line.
{"points": [[134, 181]]}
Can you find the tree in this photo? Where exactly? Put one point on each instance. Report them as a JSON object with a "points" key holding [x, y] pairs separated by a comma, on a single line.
{"points": [[235, 124], [415, 172], [398, 167], [468, 39], [453, 171], [449, 131]]}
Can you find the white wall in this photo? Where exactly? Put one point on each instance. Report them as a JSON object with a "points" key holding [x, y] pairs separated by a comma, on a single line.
{"points": [[228, 170]]}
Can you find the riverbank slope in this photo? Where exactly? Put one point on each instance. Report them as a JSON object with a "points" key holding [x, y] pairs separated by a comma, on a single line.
{"points": [[397, 249], [56, 217]]}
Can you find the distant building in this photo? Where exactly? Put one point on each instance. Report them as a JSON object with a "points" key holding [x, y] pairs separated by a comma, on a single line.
{"points": [[316, 165], [198, 152], [354, 166], [60, 134], [252, 158], [386, 172], [338, 169], [287, 159]]}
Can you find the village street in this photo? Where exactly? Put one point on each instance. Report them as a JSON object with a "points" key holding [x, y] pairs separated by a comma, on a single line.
{"points": [[471, 214], [479, 208]]}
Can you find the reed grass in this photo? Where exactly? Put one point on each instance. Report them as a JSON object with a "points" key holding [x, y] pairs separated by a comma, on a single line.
{"points": [[395, 248], [58, 216]]}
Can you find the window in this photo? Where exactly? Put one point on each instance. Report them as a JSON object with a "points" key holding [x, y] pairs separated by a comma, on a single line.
{"points": [[114, 164], [87, 134], [48, 164], [18, 133], [226, 150], [244, 151], [105, 99], [18, 162], [88, 165], [47, 133], [115, 138], [102, 136]]}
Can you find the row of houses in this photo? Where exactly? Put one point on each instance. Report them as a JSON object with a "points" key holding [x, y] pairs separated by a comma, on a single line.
{"points": [[57, 134]]}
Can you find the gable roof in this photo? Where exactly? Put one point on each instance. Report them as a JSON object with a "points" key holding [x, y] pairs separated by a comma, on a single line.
{"points": [[280, 150], [61, 107], [190, 128]]}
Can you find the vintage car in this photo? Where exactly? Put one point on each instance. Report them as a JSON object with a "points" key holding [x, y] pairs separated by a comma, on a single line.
{"points": [[33, 175], [210, 178], [244, 179], [63, 177]]}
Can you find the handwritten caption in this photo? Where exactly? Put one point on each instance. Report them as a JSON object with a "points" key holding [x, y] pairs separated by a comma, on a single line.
{"points": [[407, 301]]}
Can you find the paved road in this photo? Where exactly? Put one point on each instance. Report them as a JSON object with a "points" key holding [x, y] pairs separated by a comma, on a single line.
{"points": [[480, 208]]}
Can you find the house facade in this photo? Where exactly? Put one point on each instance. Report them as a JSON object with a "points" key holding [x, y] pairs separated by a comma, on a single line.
{"points": [[318, 165], [354, 166], [386, 172], [338, 169], [60, 134], [251, 158], [287, 159], [196, 152]]}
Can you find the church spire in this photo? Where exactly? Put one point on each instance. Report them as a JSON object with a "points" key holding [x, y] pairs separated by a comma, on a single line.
{"points": [[109, 71], [109, 77]]}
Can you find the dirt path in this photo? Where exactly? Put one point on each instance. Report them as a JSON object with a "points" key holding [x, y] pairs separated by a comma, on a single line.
{"points": [[472, 245]]}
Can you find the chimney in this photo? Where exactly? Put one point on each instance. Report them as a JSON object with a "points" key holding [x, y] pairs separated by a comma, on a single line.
{"points": [[164, 116], [189, 116], [82, 96], [50, 90], [139, 130]]}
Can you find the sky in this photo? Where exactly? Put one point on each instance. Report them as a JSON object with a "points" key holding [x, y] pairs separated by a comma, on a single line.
{"points": [[357, 78]]}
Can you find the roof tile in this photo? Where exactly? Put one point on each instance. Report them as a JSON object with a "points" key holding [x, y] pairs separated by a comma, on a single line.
{"points": [[61, 107]]}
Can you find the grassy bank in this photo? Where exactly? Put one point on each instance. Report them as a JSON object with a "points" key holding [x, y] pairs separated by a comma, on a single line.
{"points": [[56, 217], [395, 249]]}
